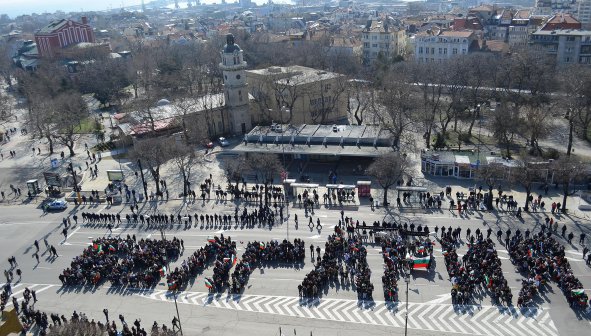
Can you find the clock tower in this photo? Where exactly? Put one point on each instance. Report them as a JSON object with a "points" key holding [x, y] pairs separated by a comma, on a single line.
{"points": [[235, 87]]}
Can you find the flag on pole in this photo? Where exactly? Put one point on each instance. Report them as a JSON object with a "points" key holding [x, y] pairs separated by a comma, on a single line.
{"points": [[208, 284], [211, 240], [234, 260], [163, 271], [262, 245]]}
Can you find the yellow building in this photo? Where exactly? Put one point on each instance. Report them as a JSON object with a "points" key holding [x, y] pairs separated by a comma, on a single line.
{"points": [[297, 95]]}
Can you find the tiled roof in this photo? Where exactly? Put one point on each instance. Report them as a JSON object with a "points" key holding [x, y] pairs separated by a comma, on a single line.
{"points": [[53, 26]]}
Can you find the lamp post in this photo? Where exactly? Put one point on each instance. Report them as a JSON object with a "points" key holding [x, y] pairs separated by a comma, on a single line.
{"points": [[76, 189], [139, 163], [407, 280], [479, 137], [176, 292]]}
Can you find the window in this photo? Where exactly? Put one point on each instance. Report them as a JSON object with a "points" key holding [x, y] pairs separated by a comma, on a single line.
{"points": [[420, 50], [240, 95], [375, 45], [374, 37], [445, 51], [463, 51], [327, 87], [365, 44], [440, 51], [237, 76]]}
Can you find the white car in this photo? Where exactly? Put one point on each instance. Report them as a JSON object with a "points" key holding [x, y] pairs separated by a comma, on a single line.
{"points": [[223, 142], [56, 205]]}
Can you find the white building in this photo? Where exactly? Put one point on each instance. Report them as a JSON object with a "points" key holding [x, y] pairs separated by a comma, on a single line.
{"points": [[584, 13], [437, 47], [382, 38], [569, 46]]}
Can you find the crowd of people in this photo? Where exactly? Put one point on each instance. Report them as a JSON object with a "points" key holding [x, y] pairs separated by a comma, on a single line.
{"points": [[122, 261], [346, 257], [479, 268], [220, 250], [541, 258], [249, 218], [259, 254]]}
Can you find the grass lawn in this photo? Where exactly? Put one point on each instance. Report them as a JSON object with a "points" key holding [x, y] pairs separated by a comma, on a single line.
{"points": [[88, 125]]}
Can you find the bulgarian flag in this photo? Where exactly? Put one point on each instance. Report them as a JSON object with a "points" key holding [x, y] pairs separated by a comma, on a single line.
{"points": [[211, 240], [95, 246], [163, 271], [579, 291], [421, 249], [234, 260], [111, 248], [262, 246], [421, 263], [208, 284]]}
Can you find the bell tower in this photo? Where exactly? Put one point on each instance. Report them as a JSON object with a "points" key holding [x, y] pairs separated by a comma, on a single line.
{"points": [[235, 87]]}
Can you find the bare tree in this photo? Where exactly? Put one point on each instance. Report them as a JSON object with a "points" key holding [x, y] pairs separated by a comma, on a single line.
{"points": [[568, 171], [69, 110], [359, 99], [506, 125], [234, 169], [266, 166], [6, 108], [490, 174], [185, 159], [429, 80], [398, 101], [185, 110], [576, 86], [153, 153], [6, 66], [526, 174], [388, 169]]}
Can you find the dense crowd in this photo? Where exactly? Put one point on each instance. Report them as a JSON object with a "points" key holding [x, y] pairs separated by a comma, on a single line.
{"points": [[339, 251], [122, 261], [259, 254], [540, 258], [479, 268]]}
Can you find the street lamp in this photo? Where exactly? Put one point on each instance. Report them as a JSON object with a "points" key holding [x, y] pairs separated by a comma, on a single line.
{"points": [[76, 189], [479, 137], [176, 292], [407, 280], [139, 163], [283, 111]]}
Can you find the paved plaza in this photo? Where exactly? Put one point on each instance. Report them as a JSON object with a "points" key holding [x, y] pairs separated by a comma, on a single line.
{"points": [[271, 300]]}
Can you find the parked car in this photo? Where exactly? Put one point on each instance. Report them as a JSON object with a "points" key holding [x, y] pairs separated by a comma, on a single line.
{"points": [[223, 142], [56, 205]]}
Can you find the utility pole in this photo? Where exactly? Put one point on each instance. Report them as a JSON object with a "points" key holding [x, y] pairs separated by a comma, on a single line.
{"points": [[139, 163]]}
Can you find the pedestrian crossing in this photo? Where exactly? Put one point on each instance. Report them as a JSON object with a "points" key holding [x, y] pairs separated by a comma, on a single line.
{"points": [[19, 289], [437, 317]]}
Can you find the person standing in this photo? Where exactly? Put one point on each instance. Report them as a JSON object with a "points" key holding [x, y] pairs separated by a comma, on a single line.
{"points": [[106, 312]]}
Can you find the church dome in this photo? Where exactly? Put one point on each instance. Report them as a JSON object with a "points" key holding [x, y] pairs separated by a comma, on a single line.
{"points": [[230, 46]]}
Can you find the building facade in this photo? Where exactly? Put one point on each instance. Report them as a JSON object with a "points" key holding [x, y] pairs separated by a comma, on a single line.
{"points": [[382, 38], [62, 33], [567, 46], [297, 95], [584, 13], [442, 46]]}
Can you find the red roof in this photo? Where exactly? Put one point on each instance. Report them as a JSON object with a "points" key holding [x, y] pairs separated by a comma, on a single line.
{"points": [[159, 125]]}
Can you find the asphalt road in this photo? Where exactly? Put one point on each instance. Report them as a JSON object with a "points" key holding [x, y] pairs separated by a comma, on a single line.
{"points": [[271, 300]]}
